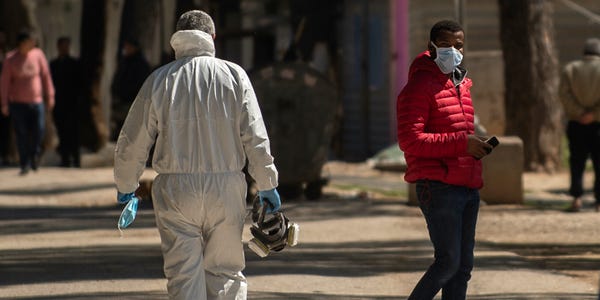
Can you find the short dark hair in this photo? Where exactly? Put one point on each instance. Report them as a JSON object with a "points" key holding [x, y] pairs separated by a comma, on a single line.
{"points": [[23, 35], [131, 40], [445, 25], [592, 47], [63, 39], [196, 20]]}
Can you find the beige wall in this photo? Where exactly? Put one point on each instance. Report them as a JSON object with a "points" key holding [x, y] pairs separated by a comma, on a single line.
{"points": [[486, 69]]}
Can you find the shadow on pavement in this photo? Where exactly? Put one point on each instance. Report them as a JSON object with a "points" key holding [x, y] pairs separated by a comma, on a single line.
{"points": [[538, 296], [24, 220], [102, 296], [53, 190], [45, 265], [342, 259], [357, 259], [551, 256], [329, 209]]}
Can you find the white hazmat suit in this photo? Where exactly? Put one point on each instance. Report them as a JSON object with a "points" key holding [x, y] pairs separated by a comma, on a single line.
{"points": [[202, 115]]}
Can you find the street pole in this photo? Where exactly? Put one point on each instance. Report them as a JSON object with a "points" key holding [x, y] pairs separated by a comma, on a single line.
{"points": [[459, 11], [459, 15]]}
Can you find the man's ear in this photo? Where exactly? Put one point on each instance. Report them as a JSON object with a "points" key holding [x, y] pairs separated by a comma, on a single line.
{"points": [[214, 36], [431, 49]]}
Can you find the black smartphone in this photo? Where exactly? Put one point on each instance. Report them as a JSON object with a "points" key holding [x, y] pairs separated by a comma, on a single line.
{"points": [[493, 141]]}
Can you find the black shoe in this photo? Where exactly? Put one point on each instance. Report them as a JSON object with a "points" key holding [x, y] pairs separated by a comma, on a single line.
{"points": [[24, 172], [35, 163]]}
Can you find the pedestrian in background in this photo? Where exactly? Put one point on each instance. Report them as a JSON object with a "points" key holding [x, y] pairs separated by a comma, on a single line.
{"points": [[67, 77], [27, 92], [203, 117], [5, 136], [132, 70], [436, 131], [580, 96]]}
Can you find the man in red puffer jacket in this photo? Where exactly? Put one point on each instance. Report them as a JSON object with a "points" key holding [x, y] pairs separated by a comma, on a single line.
{"points": [[436, 132]]}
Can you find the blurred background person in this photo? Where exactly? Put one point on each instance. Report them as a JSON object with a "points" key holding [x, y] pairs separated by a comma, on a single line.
{"points": [[580, 96], [132, 70], [67, 77], [4, 120], [27, 91]]}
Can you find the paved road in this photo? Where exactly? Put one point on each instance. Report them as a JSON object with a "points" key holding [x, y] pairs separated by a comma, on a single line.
{"points": [[58, 240]]}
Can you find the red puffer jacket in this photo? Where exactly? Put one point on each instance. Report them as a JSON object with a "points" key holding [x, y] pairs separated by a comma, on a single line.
{"points": [[433, 123]]}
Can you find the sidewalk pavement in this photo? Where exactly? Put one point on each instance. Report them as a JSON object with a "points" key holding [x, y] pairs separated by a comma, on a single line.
{"points": [[58, 240]]}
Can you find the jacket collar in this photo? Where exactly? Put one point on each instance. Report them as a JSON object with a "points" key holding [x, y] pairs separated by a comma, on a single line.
{"points": [[424, 62], [192, 43]]}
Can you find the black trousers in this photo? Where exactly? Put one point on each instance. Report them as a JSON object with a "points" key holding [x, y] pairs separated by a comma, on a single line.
{"points": [[584, 142], [67, 128], [5, 128]]}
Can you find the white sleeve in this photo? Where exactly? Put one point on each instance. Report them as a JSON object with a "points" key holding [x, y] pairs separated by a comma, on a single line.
{"points": [[255, 139], [135, 140]]}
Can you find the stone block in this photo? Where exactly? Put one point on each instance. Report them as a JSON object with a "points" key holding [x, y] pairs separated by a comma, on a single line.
{"points": [[503, 173]]}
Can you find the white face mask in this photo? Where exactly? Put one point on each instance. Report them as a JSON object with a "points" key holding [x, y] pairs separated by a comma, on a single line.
{"points": [[447, 58]]}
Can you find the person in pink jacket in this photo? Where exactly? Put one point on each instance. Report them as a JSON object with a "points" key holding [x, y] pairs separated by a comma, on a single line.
{"points": [[437, 134], [26, 92]]}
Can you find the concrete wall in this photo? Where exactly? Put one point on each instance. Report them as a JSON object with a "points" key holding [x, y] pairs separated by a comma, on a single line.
{"points": [[486, 69]]}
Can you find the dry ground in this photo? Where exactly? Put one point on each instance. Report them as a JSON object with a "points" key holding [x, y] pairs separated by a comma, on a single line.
{"points": [[58, 240]]}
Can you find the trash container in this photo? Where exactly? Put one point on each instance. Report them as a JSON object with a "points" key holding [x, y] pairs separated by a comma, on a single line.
{"points": [[299, 107]]}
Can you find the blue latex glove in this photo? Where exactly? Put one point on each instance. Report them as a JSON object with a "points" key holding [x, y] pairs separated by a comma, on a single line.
{"points": [[129, 212], [124, 198], [272, 198]]}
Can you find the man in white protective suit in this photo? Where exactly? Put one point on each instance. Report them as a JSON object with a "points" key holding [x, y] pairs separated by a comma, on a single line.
{"points": [[202, 115]]}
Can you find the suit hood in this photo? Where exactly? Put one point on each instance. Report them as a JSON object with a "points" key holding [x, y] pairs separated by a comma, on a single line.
{"points": [[192, 43]]}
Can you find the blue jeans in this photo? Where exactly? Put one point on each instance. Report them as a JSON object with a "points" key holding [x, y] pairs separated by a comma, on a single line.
{"points": [[451, 215], [28, 120]]}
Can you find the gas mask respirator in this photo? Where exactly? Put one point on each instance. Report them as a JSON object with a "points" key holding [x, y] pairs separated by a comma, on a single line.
{"points": [[272, 232]]}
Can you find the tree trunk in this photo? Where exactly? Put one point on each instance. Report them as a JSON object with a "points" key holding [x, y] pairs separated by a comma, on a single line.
{"points": [[531, 79], [99, 43], [14, 16], [141, 20]]}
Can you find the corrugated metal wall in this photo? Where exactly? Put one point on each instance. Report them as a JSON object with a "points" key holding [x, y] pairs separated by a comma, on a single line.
{"points": [[365, 77]]}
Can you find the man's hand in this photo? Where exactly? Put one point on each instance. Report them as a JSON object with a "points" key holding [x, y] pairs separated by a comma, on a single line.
{"points": [[5, 110], [586, 118], [272, 198], [477, 147]]}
